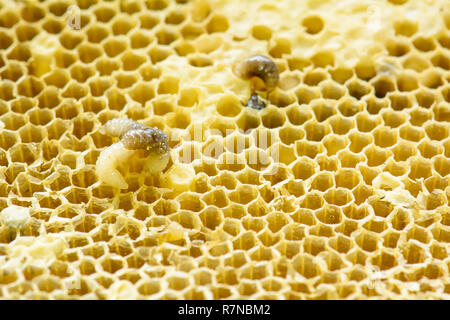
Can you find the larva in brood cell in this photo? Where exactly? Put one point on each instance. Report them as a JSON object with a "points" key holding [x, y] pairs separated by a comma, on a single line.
{"points": [[258, 68], [150, 139], [261, 67], [135, 138], [108, 161]]}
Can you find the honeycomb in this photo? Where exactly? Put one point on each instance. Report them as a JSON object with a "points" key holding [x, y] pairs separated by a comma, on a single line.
{"points": [[338, 189]]}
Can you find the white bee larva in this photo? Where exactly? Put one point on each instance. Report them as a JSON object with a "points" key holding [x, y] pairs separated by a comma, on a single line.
{"points": [[119, 126], [108, 161], [134, 137]]}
